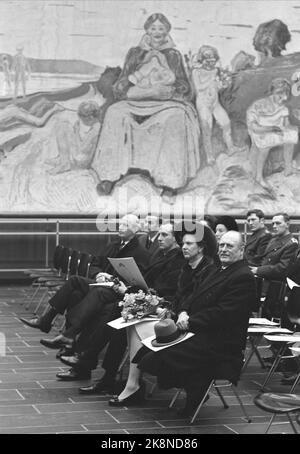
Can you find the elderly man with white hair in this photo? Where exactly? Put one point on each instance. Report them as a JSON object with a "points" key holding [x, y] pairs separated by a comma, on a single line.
{"points": [[76, 298], [217, 313]]}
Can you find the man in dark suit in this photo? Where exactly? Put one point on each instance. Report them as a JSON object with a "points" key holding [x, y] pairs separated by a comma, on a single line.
{"points": [[162, 275], [218, 313], [258, 240], [77, 288], [279, 254], [149, 238]]}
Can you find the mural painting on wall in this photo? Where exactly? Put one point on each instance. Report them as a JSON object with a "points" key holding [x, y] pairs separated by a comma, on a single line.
{"points": [[116, 104]]}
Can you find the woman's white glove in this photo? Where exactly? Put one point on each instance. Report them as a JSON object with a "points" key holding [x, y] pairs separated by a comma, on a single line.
{"points": [[183, 321], [120, 288], [103, 277]]}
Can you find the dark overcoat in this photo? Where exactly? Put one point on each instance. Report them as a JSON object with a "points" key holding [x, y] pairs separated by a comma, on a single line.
{"points": [[279, 254], [164, 271], [114, 250], [219, 311]]}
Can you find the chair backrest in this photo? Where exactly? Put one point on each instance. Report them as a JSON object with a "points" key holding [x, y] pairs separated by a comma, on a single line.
{"points": [[84, 264], [57, 256], [275, 298], [74, 263], [293, 303], [65, 261]]}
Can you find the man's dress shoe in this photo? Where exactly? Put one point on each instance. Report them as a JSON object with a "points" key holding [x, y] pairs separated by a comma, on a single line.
{"points": [[101, 387], [36, 322], [134, 399], [77, 361], [64, 351], [58, 342], [71, 360], [72, 375]]}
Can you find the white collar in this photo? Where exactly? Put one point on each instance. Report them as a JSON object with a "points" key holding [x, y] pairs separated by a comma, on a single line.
{"points": [[145, 43]]}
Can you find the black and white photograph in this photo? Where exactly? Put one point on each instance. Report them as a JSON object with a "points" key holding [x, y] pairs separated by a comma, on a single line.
{"points": [[149, 219]]}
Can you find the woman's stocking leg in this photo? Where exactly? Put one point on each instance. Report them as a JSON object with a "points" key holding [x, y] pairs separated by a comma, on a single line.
{"points": [[133, 381]]}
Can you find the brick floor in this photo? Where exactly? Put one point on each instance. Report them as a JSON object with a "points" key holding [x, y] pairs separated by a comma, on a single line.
{"points": [[33, 401]]}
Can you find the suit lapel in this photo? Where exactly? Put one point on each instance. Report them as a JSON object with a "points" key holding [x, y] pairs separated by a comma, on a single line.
{"points": [[255, 236], [219, 276], [251, 239], [126, 250], [164, 258]]}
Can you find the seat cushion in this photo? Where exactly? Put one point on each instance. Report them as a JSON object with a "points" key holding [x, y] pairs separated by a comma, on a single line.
{"points": [[278, 403]]}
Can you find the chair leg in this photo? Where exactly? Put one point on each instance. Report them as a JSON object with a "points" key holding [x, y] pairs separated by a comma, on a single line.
{"points": [[201, 403], [274, 366], [251, 353], [175, 397], [292, 423], [225, 405], [123, 362], [31, 299], [234, 389], [62, 327], [150, 393], [295, 384], [270, 423], [40, 302], [259, 357]]}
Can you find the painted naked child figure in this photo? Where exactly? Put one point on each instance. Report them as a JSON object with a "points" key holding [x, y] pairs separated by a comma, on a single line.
{"points": [[208, 79], [154, 73]]}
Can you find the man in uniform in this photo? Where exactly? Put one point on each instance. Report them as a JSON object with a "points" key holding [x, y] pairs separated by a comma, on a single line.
{"points": [[258, 240], [279, 254]]}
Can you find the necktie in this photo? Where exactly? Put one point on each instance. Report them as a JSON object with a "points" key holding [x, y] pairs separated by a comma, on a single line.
{"points": [[148, 242]]}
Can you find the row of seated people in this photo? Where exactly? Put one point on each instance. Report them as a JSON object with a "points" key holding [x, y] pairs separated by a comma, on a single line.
{"points": [[213, 291]]}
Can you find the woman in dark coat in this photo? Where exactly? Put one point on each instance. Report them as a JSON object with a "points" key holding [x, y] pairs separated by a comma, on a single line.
{"points": [[199, 265]]}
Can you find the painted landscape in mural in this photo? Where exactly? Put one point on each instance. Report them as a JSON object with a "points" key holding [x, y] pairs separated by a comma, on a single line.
{"points": [[196, 110]]}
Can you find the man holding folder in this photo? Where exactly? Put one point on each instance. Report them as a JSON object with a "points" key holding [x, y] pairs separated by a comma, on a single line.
{"points": [[162, 275]]}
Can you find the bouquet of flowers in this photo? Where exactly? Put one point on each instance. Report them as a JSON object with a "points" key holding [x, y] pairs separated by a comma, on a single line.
{"points": [[140, 304]]}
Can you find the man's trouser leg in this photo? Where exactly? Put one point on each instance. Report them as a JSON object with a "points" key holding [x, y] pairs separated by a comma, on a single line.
{"points": [[70, 294], [91, 306]]}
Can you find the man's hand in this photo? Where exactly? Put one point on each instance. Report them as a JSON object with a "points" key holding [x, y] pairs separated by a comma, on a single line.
{"points": [[183, 321], [253, 269], [103, 277], [120, 288]]}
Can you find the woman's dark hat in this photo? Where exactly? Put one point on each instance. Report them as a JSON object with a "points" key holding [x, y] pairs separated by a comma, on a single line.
{"points": [[202, 232], [229, 222], [166, 333]]}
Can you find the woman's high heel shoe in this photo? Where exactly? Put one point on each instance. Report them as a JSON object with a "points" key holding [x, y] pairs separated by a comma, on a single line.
{"points": [[136, 398]]}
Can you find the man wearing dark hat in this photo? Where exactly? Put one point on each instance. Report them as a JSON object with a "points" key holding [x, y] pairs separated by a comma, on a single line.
{"points": [[217, 313], [224, 224]]}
